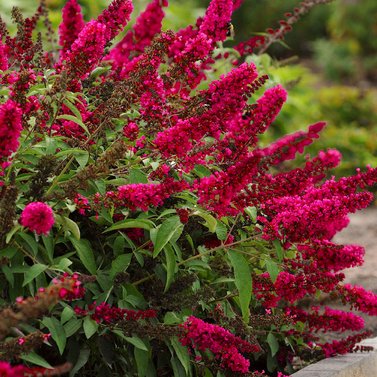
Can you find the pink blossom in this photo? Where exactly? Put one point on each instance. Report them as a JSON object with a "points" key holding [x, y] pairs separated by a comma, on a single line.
{"points": [[3, 57], [86, 50], [146, 27], [115, 17], [72, 24], [222, 343], [10, 128], [216, 20], [38, 217], [144, 195]]}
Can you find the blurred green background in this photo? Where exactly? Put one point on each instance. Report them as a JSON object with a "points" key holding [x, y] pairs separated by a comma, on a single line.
{"points": [[331, 76]]}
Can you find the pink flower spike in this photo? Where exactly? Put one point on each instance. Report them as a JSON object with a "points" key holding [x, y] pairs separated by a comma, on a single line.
{"points": [[38, 217], [10, 128], [21, 341], [72, 24]]}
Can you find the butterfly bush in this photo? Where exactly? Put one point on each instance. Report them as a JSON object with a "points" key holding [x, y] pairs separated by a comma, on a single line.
{"points": [[148, 228]]}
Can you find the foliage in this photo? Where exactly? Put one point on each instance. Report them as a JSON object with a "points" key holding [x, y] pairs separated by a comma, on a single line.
{"points": [[351, 113], [350, 53], [144, 230]]}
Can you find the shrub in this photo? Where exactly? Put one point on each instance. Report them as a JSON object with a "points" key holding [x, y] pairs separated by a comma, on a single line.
{"points": [[143, 229]]}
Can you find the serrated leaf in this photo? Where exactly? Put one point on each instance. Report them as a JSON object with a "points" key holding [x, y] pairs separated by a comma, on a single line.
{"points": [[33, 272], [85, 253], [242, 276], [120, 264], [170, 229], [273, 343], [272, 269], [35, 359], [90, 327], [170, 265], [125, 224], [57, 332]]}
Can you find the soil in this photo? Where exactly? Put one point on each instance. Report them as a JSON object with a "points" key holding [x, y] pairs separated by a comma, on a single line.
{"points": [[362, 230]]}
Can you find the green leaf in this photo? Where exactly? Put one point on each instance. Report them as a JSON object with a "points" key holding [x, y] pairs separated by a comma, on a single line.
{"points": [[170, 265], [142, 361], [120, 264], [90, 327], [66, 315], [8, 274], [72, 326], [9, 252], [273, 343], [57, 332], [137, 176], [35, 359], [74, 109], [69, 225], [242, 275], [85, 253], [202, 171], [279, 249], [125, 224], [12, 232], [29, 243], [210, 221], [221, 231], [171, 318], [171, 228], [74, 119], [119, 245], [252, 213], [272, 269], [33, 272], [81, 361], [48, 242], [135, 341], [63, 264], [182, 354], [82, 158]]}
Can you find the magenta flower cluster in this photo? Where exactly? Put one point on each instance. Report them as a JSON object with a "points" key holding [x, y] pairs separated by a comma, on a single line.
{"points": [[225, 346], [38, 217]]}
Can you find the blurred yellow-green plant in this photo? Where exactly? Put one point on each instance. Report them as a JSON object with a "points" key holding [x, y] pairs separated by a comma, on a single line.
{"points": [[351, 113]]}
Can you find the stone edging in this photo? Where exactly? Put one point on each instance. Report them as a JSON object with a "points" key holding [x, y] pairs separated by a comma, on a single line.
{"points": [[360, 364]]}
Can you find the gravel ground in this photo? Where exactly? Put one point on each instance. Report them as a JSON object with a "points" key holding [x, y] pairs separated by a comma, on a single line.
{"points": [[362, 230]]}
